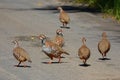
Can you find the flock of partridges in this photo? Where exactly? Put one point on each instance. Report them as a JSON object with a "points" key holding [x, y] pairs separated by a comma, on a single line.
{"points": [[54, 48]]}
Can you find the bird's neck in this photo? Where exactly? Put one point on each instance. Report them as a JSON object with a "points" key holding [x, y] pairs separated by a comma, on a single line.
{"points": [[60, 35], [104, 38], [83, 42], [61, 10], [16, 45], [43, 41]]}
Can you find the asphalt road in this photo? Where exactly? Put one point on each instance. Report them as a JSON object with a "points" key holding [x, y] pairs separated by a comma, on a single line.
{"points": [[21, 19]]}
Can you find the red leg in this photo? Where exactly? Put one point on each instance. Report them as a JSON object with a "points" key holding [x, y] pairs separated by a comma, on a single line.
{"points": [[63, 24], [25, 65], [50, 62], [84, 61], [59, 59], [51, 58], [18, 64], [103, 55]]}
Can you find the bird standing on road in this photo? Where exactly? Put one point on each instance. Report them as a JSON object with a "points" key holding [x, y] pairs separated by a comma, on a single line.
{"points": [[59, 39], [84, 52], [20, 54], [51, 49], [104, 45], [63, 17]]}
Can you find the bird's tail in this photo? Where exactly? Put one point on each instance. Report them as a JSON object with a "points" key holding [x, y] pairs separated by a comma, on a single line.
{"points": [[66, 53], [63, 51]]}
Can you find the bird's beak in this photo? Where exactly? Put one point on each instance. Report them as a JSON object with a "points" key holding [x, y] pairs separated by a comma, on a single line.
{"points": [[12, 42]]}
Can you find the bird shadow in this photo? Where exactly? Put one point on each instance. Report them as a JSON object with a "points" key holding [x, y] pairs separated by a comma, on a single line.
{"points": [[104, 59], [53, 8], [65, 27], [25, 66], [69, 8], [54, 62], [62, 57], [84, 65]]}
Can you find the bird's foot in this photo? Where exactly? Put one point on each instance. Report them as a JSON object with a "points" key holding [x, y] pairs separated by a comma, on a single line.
{"points": [[64, 27], [16, 65], [59, 62], [49, 62]]}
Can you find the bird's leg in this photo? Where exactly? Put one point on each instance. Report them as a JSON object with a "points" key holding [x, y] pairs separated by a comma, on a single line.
{"points": [[24, 65], [59, 61], [103, 56], [19, 64], [49, 62], [84, 61], [63, 24], [66, 25]]}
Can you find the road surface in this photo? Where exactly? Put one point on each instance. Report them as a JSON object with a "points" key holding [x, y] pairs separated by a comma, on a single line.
{"points": [[21, 19]]}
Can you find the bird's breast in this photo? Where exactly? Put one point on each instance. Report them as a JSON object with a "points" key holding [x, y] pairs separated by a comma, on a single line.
{"points": [[46, 49]]}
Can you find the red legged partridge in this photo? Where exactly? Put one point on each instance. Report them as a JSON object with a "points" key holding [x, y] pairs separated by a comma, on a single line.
{"points": [[63, 17], [104, 45], [84, 52], [20, 54], [51, 49], [59, 40]]}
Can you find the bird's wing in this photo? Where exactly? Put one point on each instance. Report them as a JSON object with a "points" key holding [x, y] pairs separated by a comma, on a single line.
{"points": [[64, 16], [23, 53]]}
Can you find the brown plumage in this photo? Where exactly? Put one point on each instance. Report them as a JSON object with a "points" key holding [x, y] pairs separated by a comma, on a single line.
{"points": [[63, 17], [59, 39], [51, 49], [104, 45], [84, 52], [20, 54]]}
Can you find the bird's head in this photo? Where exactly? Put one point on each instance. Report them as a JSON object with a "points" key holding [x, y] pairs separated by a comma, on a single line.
{"points": [[41, 36], [59, 8], [15, 42], [104, 34], [83, 40], [59, 32]]}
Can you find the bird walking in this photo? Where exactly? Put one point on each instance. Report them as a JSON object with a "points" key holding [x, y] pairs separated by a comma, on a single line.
{"points": [[59, 39], [84, 52], [20, 54], [64, 18], [104, 45], [51, 49]]}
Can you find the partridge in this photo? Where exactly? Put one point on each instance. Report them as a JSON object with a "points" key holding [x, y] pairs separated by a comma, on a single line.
{"points": [[63, 17], [104, 45], [84, 52], [20, 54], [59, 40], [51, 49]]}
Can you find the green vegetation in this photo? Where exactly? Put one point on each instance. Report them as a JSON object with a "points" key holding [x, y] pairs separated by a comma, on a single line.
{"points": [[109, 7]]}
